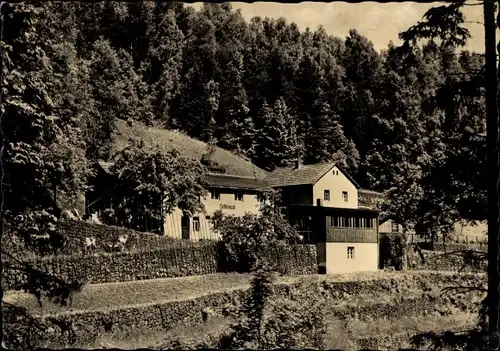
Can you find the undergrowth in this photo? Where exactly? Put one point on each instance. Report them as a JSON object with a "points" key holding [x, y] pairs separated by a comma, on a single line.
{"points": [[267, 321]]}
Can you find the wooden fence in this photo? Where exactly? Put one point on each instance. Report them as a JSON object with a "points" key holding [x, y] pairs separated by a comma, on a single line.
{"points": [[457, 239]]}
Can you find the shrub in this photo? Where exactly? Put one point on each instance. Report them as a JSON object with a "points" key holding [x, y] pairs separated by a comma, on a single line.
{"points": [[151, 177], [247, 240], [392, 251], [21, 330], [267, 321]]}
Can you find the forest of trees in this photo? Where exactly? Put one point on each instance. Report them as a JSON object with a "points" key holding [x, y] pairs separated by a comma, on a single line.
{"points": [[409, 120]]}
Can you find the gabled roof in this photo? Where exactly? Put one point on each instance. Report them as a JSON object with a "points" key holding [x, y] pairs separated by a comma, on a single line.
{"points": [[234, 182], [304, 175], [216, 180], [385, 217]]}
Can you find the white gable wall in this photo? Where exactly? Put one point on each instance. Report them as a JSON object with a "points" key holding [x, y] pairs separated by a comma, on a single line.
{"points": [[335, 181]]}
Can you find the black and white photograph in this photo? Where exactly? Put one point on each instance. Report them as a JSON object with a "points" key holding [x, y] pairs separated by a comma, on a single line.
{"points": [[261, 175]]}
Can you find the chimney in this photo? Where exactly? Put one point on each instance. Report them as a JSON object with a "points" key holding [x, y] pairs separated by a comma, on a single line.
{"points": [[298, 164]]}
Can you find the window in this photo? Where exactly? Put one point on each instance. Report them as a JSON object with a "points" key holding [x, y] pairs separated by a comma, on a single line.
{"points": [[344, 196], [207, 217], [395, 227], [370, 223], [341, 222], [215, 194], [327, 195], [350, 252], [350, 222], [357, 222], [196, 224], [238, 196]]}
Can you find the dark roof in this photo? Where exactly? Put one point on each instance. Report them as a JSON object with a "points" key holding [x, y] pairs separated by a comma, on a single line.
{"points": [[215, 180], [304, 175], [233, 182], [385, 217]]}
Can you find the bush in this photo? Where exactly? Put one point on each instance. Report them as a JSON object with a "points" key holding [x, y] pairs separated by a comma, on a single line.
{"points": [[246, 241], [392, 251], [267, 321]]}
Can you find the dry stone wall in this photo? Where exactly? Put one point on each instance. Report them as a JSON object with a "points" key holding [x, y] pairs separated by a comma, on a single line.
{"points": [[444, 261], [168, 262], [84, 327]]}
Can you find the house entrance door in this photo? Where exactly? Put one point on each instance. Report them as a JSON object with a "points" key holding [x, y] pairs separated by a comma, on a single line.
{"points": [[185, 220]]}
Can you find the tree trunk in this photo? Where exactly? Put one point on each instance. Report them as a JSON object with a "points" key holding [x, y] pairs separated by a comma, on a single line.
{"points": [[404, 262], [491, 82], [162, 228]]}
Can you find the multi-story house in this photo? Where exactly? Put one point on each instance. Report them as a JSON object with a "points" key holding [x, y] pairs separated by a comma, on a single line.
{"points": [[322, 200]]}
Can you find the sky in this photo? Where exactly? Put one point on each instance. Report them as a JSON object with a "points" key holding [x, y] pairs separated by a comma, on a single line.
{"points": [[380, 23]]}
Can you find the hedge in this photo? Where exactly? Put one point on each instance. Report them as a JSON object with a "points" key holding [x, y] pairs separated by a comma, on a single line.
{"points": [[84, 327], [176, 261]]}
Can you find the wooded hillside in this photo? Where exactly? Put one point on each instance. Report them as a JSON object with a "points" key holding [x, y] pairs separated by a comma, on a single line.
{"points": [[409, 119]]}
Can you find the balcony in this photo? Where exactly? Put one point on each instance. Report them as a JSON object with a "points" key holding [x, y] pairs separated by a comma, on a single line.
{"points": [[351, 235]]}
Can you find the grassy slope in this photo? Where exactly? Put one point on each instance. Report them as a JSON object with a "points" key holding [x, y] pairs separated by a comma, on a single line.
{"points": [[133, 293], [350, 334], [116, 295], [357, 335], [233, 164], [340, 334], [188, 335]]}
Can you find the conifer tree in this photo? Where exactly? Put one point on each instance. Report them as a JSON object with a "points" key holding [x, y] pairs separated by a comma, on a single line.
{"points": [[276, 142]]}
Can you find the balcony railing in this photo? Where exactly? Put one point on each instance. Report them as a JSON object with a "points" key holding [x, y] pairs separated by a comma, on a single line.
{"points": [[351, 235]]}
